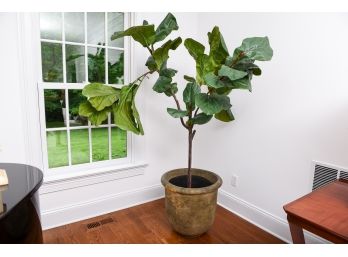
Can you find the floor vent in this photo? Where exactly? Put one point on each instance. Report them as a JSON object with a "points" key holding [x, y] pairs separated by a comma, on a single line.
{"points": [[99, 223], [93, 225], [344, 174], [323, 175]]}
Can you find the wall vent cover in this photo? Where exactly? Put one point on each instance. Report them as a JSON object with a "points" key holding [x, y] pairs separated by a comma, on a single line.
{"points": [[323, 175], [343, 174]]}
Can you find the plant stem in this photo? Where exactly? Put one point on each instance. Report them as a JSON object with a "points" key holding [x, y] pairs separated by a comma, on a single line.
{"points": [[141, 78], [189, 175], [178, 106]]}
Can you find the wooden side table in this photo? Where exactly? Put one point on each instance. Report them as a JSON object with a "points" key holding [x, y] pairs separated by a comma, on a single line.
{"points": [[323, 212]]}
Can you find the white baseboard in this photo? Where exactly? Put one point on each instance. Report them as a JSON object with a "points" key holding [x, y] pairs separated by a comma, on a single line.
{"points": [[261, 218], [96, 207]]}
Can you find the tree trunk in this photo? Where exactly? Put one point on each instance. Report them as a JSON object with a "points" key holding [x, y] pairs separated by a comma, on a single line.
{"points": [[189, 176]]}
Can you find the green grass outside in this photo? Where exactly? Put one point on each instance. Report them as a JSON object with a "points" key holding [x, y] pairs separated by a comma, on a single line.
{"points": [[58, 149]]}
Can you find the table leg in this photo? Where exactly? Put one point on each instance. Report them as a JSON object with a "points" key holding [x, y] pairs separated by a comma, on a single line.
{"points": [[296, 233]]}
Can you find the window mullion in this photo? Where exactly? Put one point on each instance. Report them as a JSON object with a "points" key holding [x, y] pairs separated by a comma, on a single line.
{"points": [[67, 118], [86, 49], [106, 49], [109, 133], [67, 121], [90, 142], [63, 50]]}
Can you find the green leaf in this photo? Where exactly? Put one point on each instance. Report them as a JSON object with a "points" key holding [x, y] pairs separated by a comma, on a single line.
{"points": [[218, 50], [167, 72], [125, 111], [151, 64], [224, 90], [211, 104], [166, 27], [204, 63], [247, 65], [212, 80], [100, 95], [162, 84], [201, 119], [194, 48], [243, 83], [172, 90], [94, 116], [160, 55], [256, 48], [189, 79], [189, 94], [176, 113], [224, 115], [144, 34], [231, 73], [203, 67]]}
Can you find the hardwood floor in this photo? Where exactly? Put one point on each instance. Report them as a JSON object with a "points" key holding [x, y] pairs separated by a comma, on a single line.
{"points": [[147, 224]]}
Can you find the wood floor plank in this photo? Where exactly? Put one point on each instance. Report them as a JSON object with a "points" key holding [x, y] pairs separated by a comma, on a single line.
{"points": [[147, 224]]}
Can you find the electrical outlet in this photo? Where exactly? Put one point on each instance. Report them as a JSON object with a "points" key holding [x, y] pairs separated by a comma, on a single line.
{"points": [[234, 179]]}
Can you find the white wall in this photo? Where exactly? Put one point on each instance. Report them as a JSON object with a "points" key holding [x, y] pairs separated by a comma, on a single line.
{"points": [[296, 113], [11, 125]]}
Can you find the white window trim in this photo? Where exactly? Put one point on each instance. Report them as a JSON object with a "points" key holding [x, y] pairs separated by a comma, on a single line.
{"points": [[35, 145]]}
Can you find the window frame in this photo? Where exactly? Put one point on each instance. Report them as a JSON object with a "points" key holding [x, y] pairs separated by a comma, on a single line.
{"points": [[91, 166]]}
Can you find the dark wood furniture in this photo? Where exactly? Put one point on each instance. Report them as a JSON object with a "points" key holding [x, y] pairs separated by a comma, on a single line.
{"points": [[20, 221], [323, 212]]}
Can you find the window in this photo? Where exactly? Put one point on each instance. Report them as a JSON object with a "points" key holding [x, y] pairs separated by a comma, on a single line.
{"points": [[76, 49]]}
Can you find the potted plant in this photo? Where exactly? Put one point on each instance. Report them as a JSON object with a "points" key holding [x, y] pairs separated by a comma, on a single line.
{"points": [[191, 194]]}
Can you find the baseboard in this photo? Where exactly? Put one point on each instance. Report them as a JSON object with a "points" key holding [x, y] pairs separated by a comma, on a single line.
{"points": [[96, 207], [261, 218]]}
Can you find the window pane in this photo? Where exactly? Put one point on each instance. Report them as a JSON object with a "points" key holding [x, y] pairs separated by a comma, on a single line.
{"points": [[118, 143], [75, 98], [115, 23], [74, 27], [52, 65], [54, 108], [51, 25], [75, 64], [79, 146], [115, 66], [96, 64], [96, 28], [57, 149], [100, 144]]}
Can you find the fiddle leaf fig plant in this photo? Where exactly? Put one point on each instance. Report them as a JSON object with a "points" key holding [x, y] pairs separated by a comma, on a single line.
{"points": [[206, 95]]}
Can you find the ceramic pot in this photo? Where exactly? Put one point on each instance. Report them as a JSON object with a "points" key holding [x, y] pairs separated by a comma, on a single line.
{"points": [[191, 211]]}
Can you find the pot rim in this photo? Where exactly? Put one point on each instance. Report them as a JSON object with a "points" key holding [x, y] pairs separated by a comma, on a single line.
{"points": [[190, 191]]}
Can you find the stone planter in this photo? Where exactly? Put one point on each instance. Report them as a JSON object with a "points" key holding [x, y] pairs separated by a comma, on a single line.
{"points": [[191, 211]]}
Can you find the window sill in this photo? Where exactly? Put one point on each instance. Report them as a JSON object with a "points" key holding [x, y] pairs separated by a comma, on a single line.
{"points": [[58, 182]]}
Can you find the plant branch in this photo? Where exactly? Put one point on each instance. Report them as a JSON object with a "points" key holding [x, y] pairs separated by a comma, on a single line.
{"points": [[178, 106], [151, 51], [196, 111], [241, 55], [141, 77]]}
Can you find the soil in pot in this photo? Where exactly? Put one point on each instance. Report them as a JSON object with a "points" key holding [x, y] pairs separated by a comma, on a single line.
{"points": [[197, 181]]}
